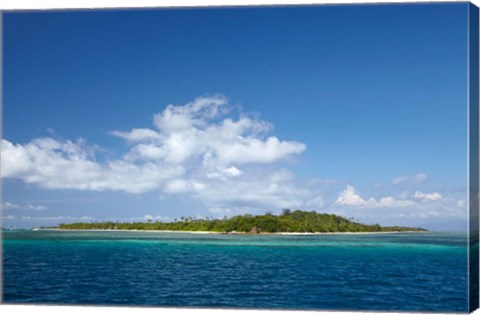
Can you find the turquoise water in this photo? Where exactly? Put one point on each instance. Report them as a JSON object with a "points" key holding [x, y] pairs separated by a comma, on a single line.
{"points": [[394, 272]]}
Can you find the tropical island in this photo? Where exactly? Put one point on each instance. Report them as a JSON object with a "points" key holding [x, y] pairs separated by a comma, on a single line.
{"points": [[288, 221]]}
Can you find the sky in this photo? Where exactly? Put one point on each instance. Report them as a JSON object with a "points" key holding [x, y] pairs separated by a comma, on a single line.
{"points": [[135, 115]]}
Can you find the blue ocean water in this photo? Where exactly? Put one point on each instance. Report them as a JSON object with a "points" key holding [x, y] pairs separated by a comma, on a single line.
{"points": [[394, 272]]}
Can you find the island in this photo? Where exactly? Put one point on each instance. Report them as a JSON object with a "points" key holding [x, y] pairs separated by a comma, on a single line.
{"points": [[288, 221]]}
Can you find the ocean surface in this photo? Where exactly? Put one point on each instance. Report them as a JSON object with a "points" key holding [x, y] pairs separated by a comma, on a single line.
{"points": [[393, 272]]}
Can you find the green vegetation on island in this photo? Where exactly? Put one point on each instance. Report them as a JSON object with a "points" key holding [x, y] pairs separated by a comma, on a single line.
{"points": [[297, 221]]}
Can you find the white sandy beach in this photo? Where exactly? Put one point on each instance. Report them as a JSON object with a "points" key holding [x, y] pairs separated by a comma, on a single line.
{"points": [[233, 233]]}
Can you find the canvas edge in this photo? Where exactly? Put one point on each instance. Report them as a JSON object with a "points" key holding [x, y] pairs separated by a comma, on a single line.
{"points": [[473, 157], [1, 137]]}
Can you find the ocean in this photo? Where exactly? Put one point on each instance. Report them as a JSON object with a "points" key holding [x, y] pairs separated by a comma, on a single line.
{"points": [[388, 272]]}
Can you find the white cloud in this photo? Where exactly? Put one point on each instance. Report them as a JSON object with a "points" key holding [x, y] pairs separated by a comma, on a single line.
{"points": [[350, 198], [137, 135], [410, 179], [200, 129], [9, 205], [214, 170], [28, 206], [55, 164], [182, 186], [412, 207], [196, 113], [200, 149], [256, 191], [430, 197]]}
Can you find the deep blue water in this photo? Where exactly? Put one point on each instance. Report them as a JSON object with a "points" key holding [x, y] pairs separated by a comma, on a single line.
{"points": [[396, 272]]}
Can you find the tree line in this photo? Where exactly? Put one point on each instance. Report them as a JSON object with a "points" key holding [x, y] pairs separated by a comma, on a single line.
{"points": [[297, 221]]}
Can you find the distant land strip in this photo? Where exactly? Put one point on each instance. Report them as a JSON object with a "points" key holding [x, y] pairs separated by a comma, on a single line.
{"points": [[297, 221]]}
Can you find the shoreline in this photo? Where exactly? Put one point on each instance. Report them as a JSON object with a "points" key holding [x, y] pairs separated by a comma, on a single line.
{"points": [[230, 233]]}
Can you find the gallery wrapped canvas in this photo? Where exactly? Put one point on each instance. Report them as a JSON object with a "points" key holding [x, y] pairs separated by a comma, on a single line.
{"points": [[317, 157]]}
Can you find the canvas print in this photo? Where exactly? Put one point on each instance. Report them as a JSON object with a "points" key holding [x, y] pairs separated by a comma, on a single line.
{"points": [[320, 157]]}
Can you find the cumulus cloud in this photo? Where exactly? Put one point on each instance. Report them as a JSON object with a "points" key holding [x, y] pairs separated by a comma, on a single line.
{"points": [[55, 164], [404, 209], [410, 179], [202, 149], [258, 190], [199, 129], [430, 197], [350, 198]]}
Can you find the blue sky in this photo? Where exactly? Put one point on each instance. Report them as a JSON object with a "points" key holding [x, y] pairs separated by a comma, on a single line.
{"points": [[130, 115]]}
